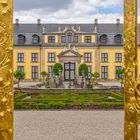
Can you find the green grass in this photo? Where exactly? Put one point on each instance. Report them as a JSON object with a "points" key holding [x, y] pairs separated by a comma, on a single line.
{"points": [[69, 101]]}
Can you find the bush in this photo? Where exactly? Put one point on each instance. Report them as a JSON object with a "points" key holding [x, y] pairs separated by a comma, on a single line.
{"points": [[56, 68], [19, 75], [83, 69]]}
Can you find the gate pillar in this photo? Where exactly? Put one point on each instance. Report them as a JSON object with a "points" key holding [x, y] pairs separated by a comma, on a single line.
{"points": [[131, 84], [6, 70]]}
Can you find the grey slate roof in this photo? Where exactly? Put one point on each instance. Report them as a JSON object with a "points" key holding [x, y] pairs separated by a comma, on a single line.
{"points": [[30, 29]]}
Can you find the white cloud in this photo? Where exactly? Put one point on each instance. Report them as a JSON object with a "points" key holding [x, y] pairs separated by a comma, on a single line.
{"points": [[105, 3], [79, 11]]}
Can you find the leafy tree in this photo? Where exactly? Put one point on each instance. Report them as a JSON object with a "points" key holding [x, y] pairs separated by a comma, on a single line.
{"points": [[19, 75], [57, 68], [119, 73], [95, 76], [44, 75], [83, 70]]}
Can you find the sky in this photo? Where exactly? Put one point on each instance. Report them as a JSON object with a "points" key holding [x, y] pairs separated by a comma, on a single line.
{"points": [[68, 11]]}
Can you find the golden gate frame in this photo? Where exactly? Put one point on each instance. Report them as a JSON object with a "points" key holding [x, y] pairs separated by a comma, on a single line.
{"points": [[132, 85]]}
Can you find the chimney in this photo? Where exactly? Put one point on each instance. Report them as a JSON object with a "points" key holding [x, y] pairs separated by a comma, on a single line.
{"points": [[118, 21], [43, 29], [38, 21], [96, 21], [17, 21]]}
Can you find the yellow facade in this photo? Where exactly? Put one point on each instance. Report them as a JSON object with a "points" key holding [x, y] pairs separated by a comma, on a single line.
{"points": [[27, 60], [111, 60], [95, 64]]}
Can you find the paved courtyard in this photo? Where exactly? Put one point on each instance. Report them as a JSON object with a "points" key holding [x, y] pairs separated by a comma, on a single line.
{"points": [[68, 125]]}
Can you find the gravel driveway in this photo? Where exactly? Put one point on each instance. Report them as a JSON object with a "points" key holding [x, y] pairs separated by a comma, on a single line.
{"points": [[68, 125]]}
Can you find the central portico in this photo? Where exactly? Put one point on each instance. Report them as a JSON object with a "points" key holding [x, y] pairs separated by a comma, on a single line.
{"points": [[70, 59]]}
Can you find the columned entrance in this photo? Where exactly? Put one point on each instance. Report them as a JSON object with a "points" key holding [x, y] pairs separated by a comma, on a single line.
{"points": [[69, 71], [70, 59]]}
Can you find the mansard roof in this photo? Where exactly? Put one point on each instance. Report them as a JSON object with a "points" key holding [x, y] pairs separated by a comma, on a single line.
{"points": [[88, 28], [109, 29]]}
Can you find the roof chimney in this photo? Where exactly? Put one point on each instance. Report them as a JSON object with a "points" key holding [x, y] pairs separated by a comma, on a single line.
{"points": [[38, 21], [118, 21], [96, 21], [43, 29], [17, 21]]}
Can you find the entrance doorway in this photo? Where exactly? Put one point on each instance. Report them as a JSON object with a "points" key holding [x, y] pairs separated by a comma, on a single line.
{"points": [[69, 71]]}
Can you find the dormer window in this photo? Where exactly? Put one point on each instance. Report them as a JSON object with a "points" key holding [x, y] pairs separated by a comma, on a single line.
{"points": [[76, 39], [36, 39], [69, 37], [51, 39], [118, 38], [103, 38], [63, 39], [21, 39], [87, 39]]}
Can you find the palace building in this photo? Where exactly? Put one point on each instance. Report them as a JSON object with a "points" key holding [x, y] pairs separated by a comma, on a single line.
{"points": [[37, 47]]}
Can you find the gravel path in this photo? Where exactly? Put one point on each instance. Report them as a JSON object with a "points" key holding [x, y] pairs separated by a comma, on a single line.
{"points": [[68, 125]]}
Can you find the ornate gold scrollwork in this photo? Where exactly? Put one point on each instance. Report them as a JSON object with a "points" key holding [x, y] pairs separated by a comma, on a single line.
{"points": [[6, 70], [132, 86]]}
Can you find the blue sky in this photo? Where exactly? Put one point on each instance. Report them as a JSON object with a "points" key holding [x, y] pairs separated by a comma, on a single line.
{"points": [[68, 11]]}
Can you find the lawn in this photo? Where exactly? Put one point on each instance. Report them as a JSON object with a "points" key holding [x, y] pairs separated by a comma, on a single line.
{"points": [[114, 100]]}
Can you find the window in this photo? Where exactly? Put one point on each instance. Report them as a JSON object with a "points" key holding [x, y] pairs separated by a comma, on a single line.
{"points": [[51, 57], [35, 39], [89, 72], [75, 39], [103, 38], [118, 38], [87, 39], [20, 68], [34, 72], [104, 57], [34, 57], [118, 57], [21, 39], [50, 70], [69, 38], [87, 57], [104, 72], [20, 57], [51, 39], [118, 76], [63, 39]]}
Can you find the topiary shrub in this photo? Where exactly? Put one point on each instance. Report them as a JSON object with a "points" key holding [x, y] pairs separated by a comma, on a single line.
{"points": [[56, 68], [83, 69], [19, 75]]}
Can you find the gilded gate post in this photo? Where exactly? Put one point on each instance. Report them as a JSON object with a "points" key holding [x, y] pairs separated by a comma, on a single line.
{"points": [[6, 70], [132, 86]]}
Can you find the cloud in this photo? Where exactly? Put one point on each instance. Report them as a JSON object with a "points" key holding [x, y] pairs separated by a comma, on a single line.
{"points": [[105, 3], [52, 5], [68, 11]]}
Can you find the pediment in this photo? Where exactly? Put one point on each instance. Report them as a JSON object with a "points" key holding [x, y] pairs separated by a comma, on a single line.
{"points": [[69, 53]]}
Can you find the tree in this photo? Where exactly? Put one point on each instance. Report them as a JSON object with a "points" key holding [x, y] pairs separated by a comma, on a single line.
{"points": [[83, 70], [95, 76], [119, 73], [19, 75], [57, 68], [44, 75]]}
